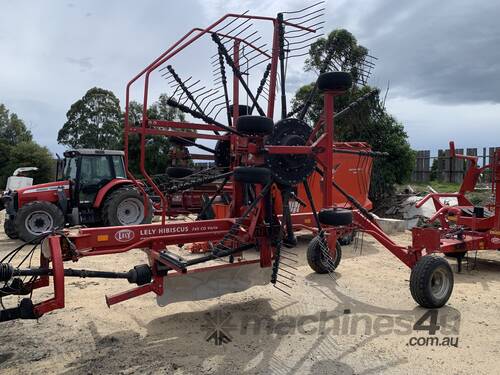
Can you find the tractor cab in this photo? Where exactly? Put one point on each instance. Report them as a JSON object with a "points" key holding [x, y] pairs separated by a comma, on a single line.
{"points": [[88, 171]]}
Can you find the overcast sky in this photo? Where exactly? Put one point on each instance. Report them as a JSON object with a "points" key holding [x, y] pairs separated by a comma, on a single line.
{"points": [[442, 58]]}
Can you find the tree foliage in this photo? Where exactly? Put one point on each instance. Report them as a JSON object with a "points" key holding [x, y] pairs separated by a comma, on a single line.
{"points": [[157, 147], [94, 121], [17, 149], [369, 122]]}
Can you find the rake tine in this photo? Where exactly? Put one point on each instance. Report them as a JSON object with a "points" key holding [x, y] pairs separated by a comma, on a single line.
{"points": [[290, 266], [304, 9], [234, 20], [288, 294], [237, 27], [289, 252], [290, 259], [282, 283], [306, 15], [287, 277]]}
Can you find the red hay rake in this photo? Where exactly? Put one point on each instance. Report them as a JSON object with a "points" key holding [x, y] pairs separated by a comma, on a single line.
{"points": [[268, 164]]}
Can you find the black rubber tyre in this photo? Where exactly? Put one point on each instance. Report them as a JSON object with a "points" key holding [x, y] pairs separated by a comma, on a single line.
{"points": [[431, 281], [316, 259], [9, 227], [222, 156], [243, 110], [179, 172], [335, 216], [37, 217], [254, 125], [252, 175], [334, 81], [125, 206]]}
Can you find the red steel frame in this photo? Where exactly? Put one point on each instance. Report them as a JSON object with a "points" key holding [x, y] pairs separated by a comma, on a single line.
{"points": [[154, 238]]}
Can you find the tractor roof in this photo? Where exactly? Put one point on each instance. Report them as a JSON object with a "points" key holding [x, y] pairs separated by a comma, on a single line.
{"points": [[91, 151]]}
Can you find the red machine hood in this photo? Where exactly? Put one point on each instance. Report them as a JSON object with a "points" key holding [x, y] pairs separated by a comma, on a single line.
{"points": [[43, 187]]}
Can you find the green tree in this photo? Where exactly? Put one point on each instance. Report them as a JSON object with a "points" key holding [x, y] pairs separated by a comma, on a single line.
{"points": [[157, 147], [17, 149], [94, 121], [30, 154], [12, 128], [368, 122]]}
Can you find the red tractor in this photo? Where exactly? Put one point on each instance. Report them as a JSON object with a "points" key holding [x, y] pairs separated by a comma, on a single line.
{"points": [[91, 189]]}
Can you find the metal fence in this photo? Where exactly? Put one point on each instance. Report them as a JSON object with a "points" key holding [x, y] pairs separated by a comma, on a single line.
{"points": [[447, 169]]}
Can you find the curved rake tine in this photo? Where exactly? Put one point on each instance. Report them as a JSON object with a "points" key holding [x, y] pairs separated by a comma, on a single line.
{"points": [[307, 26], [310, 19], [303, 41], [254, 65], [211, 101], [219, 111], [306, 15], [242, 31], [218, 104], [304, 9], [208, 96], [231, 22], [237, 27]]}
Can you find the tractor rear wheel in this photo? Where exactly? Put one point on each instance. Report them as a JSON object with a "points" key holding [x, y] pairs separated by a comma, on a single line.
{"points": [[317, 259], [9, 228], [37, 217], [125, 206], [431, 281]]}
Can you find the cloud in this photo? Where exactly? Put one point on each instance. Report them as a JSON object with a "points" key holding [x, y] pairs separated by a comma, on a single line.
{"points": [[441, 58], [84, 63], [445, 52]]}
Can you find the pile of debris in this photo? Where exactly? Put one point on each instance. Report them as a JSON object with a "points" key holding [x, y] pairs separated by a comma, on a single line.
{"points": [[402, 206]]}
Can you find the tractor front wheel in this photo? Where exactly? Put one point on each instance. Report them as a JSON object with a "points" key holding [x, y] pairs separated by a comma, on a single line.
{"points": [[431, 281], [125, 206], [37, 217], [9, 228]]}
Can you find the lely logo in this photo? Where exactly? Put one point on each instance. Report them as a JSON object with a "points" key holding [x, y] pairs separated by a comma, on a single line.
{"points": [[124, 235]]}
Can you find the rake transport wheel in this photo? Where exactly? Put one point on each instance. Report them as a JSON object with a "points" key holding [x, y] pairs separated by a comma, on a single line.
{"points": [[9, 227], [431, 281], [125, 206], [254, 125], [179, 172], [317, 260], [335, 217], [334, 81], [37, 217]]}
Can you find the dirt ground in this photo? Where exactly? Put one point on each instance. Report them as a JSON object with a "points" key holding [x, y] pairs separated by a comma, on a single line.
{"points": [[363, 322]]}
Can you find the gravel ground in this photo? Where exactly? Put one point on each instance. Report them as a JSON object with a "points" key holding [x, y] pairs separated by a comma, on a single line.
{"points": [[361, 322]]}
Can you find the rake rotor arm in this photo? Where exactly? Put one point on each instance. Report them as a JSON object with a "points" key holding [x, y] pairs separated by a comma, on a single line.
{"points": [[183, 108], [237, 72], [355, 103]]}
